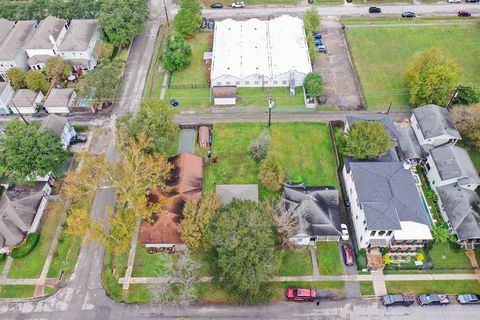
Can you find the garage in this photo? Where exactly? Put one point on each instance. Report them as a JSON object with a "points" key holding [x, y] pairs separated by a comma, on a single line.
{"points": [[224, 96]]}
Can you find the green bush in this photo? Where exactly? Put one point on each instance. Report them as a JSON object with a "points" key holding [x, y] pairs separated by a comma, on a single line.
{"points": [[2, 257], [25, 248]]}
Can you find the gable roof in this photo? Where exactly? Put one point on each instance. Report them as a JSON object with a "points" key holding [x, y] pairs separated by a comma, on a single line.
{"points": [[454, 162], [15, 39], [25, 98], [321, 217], [79, 35], [462, 207], [408, 143], [5, 27], [49, 26], [58, 98], [228, 192], [53, 123], [435, 121], [388, 195]]}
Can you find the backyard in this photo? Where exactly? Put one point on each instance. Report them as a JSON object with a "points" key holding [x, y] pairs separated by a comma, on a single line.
{"points": [[328, 256], [380, 67]]}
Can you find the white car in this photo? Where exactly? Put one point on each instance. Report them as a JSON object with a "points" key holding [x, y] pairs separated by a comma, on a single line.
{"points": [[454, 1], [238, 4], [345, 235]]}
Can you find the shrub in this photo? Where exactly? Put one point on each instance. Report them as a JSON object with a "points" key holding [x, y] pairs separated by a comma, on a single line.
{"points": [[387, 259], [271, 173], [420, 257], [2, 257], [26, 247], [260, 147], [431, 195]]}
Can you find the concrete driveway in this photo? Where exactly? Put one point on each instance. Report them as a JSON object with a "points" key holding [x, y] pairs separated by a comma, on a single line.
{"points": [[338, 76]]}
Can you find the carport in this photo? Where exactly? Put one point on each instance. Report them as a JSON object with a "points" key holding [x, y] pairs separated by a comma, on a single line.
{"points": [[225, 95]]}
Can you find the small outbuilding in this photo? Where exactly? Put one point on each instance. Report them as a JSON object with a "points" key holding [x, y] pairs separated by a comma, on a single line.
{"points": [[26, 101], [228, 192], [203, 137], [60, 100], [225, 95]]}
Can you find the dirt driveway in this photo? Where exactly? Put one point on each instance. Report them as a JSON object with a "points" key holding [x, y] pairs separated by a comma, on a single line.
{"points": [[338, 76]]}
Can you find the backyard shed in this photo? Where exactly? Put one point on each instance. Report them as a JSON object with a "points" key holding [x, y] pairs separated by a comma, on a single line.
{"points": [[203, 137], [226, 95]]}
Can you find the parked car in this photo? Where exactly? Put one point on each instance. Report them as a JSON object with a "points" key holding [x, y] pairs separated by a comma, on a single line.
{"points": [[468, 298], [310, 1], [433, 299], [346, 201], [79, 138], [301, 295], [454, 1], [204, 23], [318, 43], [374, 10], [472, 1], [317, 35], [397, 300], [174, 103], [211, 23], [464, 13], [216, 6], [347, 251], [238, 4], [345, 235], [408, 14], [322, 49]]}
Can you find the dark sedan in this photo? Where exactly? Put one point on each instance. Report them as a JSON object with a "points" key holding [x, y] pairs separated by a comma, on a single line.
{"points": [[216, 6], [408, 14], [433, 299]]}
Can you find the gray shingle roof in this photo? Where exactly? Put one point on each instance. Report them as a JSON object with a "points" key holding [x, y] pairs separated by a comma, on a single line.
{"points": [[24, 98], [79, 35], [435, 121], [321, 204], [454, 162], [53, 123], [462, 208], [58, 98], [48, 26], [15, 39], [41, 58], [5, 27], [3, 85], [387, 194], [408, 143], [228, 192], [383, 118]]}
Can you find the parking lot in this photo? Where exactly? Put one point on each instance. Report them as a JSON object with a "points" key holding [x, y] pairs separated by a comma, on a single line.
{"points": [[335, 67]]}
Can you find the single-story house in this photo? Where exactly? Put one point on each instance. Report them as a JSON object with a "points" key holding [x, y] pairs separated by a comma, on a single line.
{"points": [[186, 182], [317, 211], [60, 100], [228, 192], [59, 126], [26, 101], [226, 95], [6, 96]]}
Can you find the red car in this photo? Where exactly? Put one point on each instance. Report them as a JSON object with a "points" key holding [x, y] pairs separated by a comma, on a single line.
{"points": [[295, 294], [464, 14], [347, 251]]}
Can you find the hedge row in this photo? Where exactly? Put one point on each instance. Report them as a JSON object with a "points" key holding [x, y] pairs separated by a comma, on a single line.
{"points": [[24, 249]]}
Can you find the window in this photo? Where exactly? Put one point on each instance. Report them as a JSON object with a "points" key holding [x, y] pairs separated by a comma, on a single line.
{"points": [[219, 83], [247, 82], [361, 238], [381, 233], [275, 82], [372, 234], [427, 165], [237, 82], [256, 82], [228, 83], [356, 217], [364, 222], [389, 233], [365, 228], [350, 190], [284, 82]]}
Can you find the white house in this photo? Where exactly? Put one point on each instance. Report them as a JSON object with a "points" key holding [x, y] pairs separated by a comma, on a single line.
{"points": [[256, 53], [386, 208], [45, 41], [26, 101], [13, 39], [59, 126], [78, 45], [60, 100], [433, 126], [6, 96]]}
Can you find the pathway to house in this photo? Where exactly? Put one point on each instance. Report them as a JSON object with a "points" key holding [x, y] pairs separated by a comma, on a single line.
{"points": [[164, 86], [313, 254], [131, 256], [352, 288], [187, 137]]}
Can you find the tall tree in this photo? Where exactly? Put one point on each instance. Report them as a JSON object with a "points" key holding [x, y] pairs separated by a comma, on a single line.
{"points": [[26, 153], [36, 81], [366, 140], [57, 67], [156, 120], [16, 77], [467, 121], [260, 147], [241, 251], [440, 233], [313, 84], [468, 95], [196, 217], [271, 173], [188, 20], [122, 20], [431, 77], [311, 20], [177, 54]]}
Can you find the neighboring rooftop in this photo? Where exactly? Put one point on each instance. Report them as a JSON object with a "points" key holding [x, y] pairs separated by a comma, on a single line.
{"points": [[3, 85], [48, 26], [435, 121], [16, 39], [38, 59], [383, 118], [388, 195], [408, 143], [24, 98], [462, 208], [228, 192], [224, 92], [58, 98], [454, 162], [5, 27], [53, 123], [79, 35]]}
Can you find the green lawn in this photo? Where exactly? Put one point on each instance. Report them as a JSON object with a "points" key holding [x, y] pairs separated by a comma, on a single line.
{"points": [[440, 286], [228, 3], [399, 20], [17, 291], [209, 292], [197, 99], [381, 54], [281, 96], [443, 257], [366, 288], [475, 156], [329, 260], [149, 265], [65, 256], [31, 266], [114, 266], [304, 150], [296, 263]]}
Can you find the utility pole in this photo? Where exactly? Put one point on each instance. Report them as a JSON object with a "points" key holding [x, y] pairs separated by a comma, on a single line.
{"points": [[270, 106], [166, 13], [389, 107], [453, 97], [21, 115]]}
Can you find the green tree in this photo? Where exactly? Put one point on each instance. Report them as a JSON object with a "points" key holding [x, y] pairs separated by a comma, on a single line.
{"points": [[36, 81], [103, 50], [260, 147], [440, 233], [177, 55], [16, 77], [26, 153], [312, 50], [156, 120], [122, 20], [197, 214], [311, 20], [467, 121], [366, 140], [240, 242], [313, 84], [271, 173], [468, 95], [431, 77], [57, 67], [187, 22]]}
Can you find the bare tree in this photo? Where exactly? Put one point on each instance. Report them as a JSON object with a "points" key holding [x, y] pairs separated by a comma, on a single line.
{"points": [[288, 220], [179, 286]]}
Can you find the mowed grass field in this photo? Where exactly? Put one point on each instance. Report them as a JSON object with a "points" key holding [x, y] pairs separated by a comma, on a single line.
{"points": [[381, 54]]}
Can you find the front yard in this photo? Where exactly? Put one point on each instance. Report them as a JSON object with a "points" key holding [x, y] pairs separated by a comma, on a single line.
{"points": [[437, 286], [444, 258], [329, 260], [296, 263]]}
